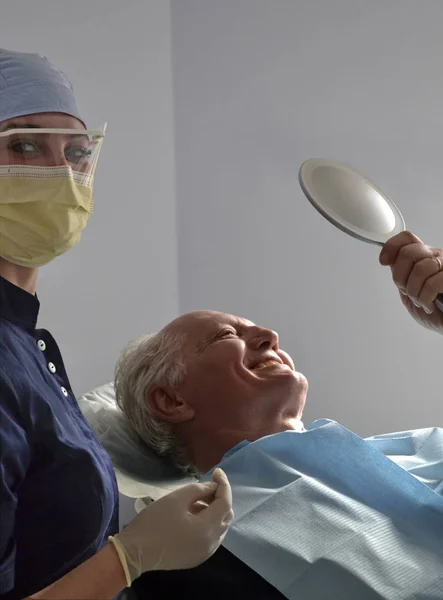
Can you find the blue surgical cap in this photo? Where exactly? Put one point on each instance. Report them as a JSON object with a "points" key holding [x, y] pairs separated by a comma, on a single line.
{"points": [[30, 84]]}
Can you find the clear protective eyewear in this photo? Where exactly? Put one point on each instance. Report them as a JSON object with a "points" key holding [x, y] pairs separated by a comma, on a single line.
{"points": [[39, 149]]}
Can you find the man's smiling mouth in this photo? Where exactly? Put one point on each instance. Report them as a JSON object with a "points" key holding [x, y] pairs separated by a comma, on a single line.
{"points": [[263, 364]]}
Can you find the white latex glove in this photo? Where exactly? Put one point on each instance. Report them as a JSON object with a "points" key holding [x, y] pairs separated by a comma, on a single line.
{"points": [[179, 531]]}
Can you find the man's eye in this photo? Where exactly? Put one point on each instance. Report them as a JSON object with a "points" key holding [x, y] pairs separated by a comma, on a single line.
{"points": [[228, 333]]}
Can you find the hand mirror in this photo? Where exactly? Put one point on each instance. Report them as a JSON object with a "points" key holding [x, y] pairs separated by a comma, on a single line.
{"points": [[352, 203]]}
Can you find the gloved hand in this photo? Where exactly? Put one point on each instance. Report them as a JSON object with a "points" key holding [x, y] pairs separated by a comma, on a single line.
{"points": [[179, 531]]}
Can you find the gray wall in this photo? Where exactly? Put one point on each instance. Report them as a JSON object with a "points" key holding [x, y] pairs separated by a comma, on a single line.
{"points": [[262, 85], [122, 278]]}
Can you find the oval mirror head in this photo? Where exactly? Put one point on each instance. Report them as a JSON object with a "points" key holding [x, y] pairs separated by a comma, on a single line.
{"points": [[352, 203]]}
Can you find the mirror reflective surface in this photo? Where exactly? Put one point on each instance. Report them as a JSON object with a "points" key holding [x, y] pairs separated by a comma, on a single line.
{"points": [[352, 203]]}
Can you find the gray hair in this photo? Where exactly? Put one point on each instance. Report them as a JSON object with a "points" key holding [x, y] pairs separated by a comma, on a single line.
{"points": [[149, 361]]}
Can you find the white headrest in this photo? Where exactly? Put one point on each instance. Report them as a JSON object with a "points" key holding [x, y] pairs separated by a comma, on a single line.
{"points": [[140, 471]]}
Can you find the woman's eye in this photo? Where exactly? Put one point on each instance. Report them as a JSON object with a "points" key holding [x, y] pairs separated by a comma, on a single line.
{"points": [[77, 153], [23, 147]]}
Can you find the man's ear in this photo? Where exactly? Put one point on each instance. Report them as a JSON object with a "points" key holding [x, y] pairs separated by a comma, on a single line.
{"points": [[169, 406]]}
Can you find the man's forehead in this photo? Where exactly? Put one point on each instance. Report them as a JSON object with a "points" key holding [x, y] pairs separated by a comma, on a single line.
{"points": [[200, 323], [212, 320]]}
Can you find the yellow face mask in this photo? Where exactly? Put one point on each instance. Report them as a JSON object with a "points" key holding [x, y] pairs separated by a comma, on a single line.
{"points": [[45, 192]]}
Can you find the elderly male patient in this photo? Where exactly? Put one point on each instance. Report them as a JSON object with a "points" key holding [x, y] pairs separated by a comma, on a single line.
{"points": [[320, 513]]}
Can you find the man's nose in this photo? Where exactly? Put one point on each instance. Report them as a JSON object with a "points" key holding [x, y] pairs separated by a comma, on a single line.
{"points": [[263, 339]]}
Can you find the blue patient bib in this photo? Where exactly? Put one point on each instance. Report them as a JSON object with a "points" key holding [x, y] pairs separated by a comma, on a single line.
{"points": [[325, 514]]}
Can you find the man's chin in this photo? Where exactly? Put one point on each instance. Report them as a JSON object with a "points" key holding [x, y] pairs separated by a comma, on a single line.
{"points": [[296, 392], [289, 392], [301, 379], [295, 379], [285, 387]]}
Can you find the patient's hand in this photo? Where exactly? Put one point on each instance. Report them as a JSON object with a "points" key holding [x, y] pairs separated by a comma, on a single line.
{"points": [[417, 273]]}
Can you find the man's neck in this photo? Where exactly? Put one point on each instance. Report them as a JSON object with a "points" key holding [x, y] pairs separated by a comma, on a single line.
{"points": [[23, 277], [206, 449]]}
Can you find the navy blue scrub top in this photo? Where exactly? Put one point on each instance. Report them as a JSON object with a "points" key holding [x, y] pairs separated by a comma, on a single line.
{"points": [[58, 493]]}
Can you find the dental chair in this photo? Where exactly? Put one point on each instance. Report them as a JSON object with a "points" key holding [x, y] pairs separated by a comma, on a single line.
{"points": [[140, 472]]}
